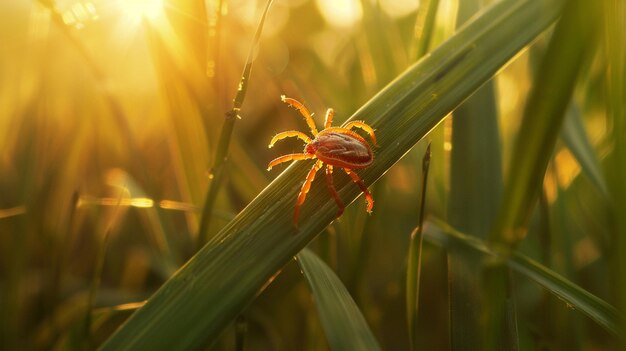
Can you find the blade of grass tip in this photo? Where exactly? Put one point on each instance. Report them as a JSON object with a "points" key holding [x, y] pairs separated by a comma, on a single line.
{"points": [[575, 137], [542, 119], [424, 27], [614, 33], [103, 317], [206, 295], [475, 188], [414, 266], [343, 322], [123, 308], [440, 233], [221, 153]]}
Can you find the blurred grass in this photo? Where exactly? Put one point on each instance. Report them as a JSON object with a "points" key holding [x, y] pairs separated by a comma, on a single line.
{"points": [[571, 294], [543, 116], [112, 109], [475, 189], [414, 259], [542, 119], [613, 33]]}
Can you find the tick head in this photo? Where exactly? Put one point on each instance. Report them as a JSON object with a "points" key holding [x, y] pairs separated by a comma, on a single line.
{"points": [[311, 148]]}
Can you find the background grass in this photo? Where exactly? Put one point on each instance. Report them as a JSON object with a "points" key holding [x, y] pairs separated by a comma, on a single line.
{"points": [[111, 119]]}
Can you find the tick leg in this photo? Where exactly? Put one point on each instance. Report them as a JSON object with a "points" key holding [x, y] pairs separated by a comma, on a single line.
{"points": [[287, 134], [328, 121], [290, 157], [305, 190], [359, 182], [303, 110], [333, 192], [364, 126]]}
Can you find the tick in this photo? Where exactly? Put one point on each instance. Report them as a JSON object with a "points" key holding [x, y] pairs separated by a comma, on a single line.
{"points": [[332, 146]]}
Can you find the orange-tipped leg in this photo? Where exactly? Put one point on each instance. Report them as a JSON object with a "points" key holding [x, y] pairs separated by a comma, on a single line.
{"points": [[359, 182], [328, 121], [305, 190], [333, 192], [290, 157], [287, 134], [303, 110], [360, 124]]}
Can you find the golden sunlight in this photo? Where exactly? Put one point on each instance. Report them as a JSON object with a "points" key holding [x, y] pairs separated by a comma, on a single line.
{"points": [[340, 13], [138, 10]]}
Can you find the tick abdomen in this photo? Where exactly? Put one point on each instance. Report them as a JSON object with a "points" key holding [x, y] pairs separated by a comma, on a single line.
{"points": [[342, 150]]}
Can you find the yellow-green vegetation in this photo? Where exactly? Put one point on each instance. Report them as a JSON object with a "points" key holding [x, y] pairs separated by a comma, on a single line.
{"points": [[136, 212]]}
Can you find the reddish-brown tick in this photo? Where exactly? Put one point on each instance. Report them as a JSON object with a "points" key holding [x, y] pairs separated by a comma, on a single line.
{"points": [[333, 146]]}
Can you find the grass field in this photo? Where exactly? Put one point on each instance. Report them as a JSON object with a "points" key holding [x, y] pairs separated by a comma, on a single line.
{"points": [[136, 211]]}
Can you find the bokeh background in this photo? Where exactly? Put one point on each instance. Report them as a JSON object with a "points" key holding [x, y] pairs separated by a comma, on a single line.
{"points": [[110, 113]]}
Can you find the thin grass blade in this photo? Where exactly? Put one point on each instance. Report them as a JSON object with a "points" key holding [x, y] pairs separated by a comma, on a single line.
{"points": [[542, 120], [614, 34], [414, 265], [343, 322], [440, 233], [221, 154], [424, 26], [575, 137], [475, 188]]}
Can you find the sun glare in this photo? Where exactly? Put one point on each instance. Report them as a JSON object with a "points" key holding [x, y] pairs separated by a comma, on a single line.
{"points": [[138, 10], [340, 13]]}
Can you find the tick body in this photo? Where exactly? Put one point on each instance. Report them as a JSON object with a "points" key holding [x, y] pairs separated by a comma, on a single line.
{"points": [[341, 149], [333, 147]]}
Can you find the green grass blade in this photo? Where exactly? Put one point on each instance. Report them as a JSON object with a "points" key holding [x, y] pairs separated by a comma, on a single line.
{"points": [[221, 154], [475, 188], [542, 120], [343, 322], [414, 264], [424, 27], [206, 295], [614, 34], [573, 295], [575, 137]]}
